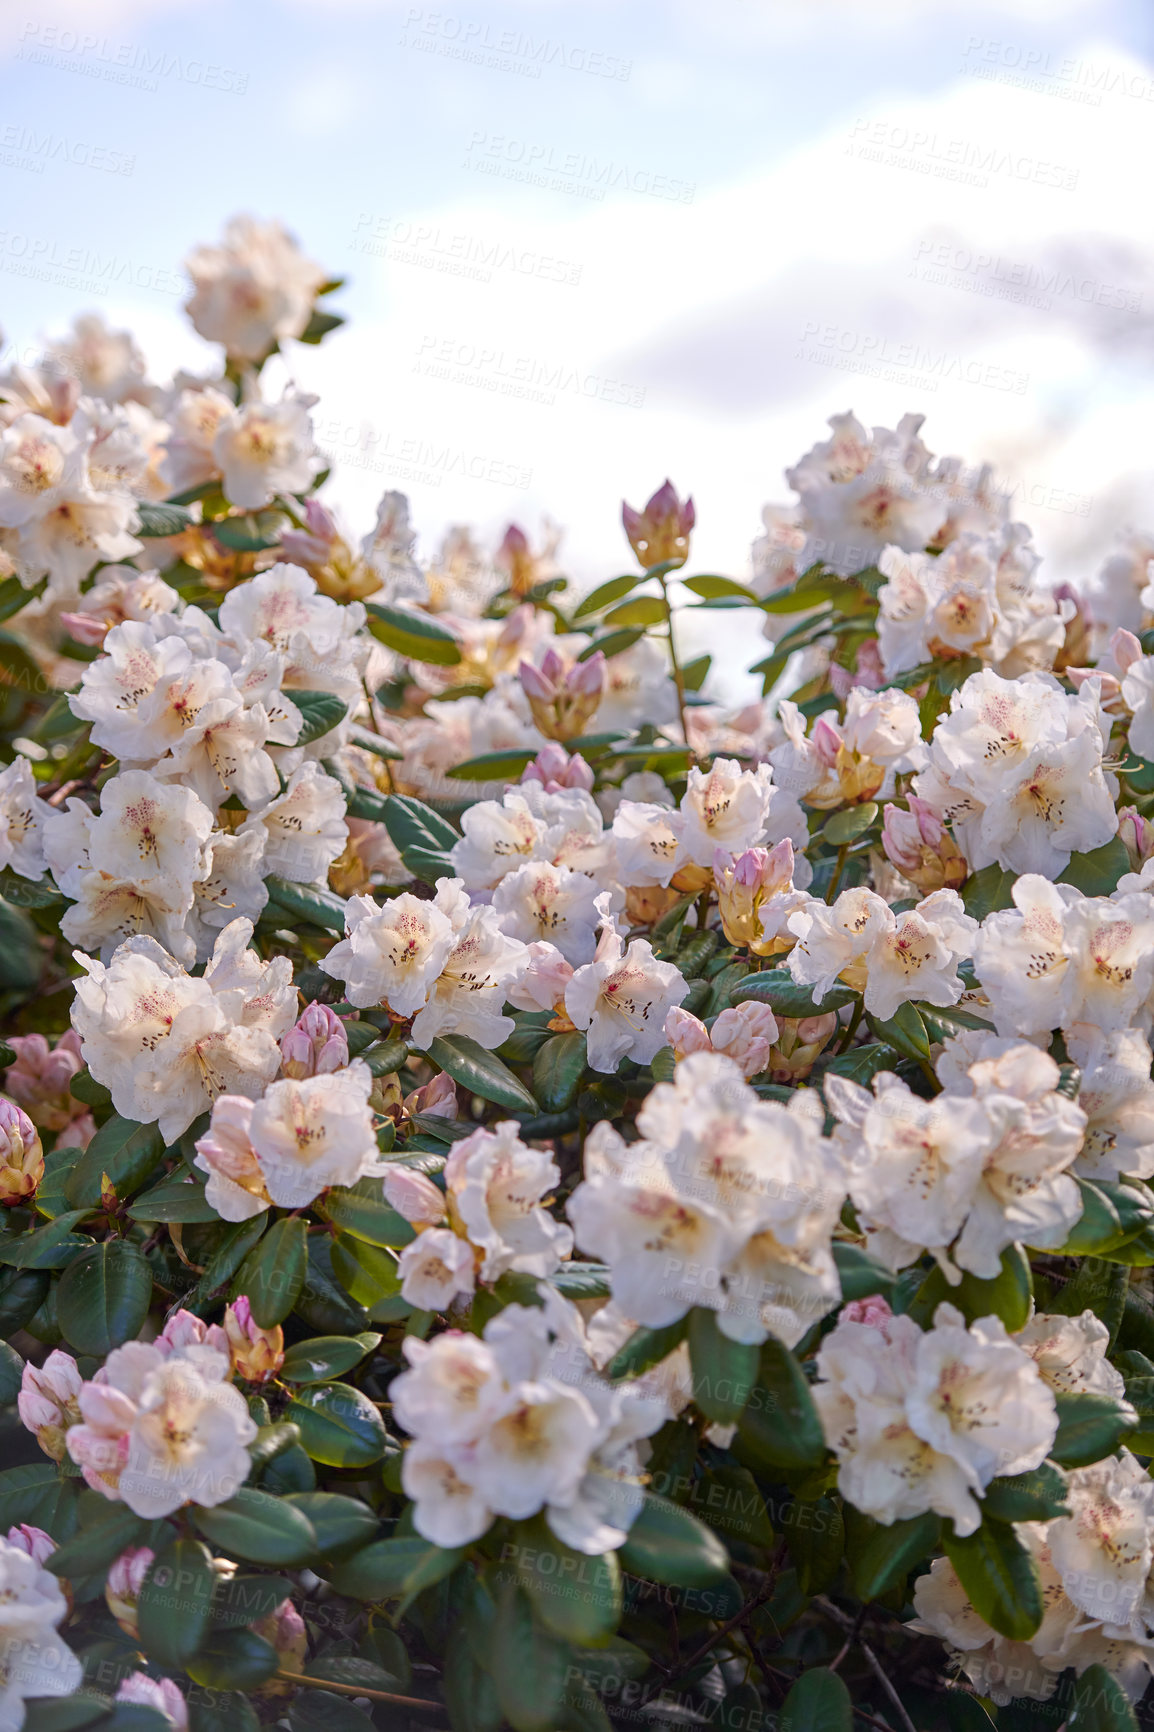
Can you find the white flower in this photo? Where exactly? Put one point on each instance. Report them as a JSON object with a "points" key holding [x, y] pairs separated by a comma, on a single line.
{"points": [[35, 1660], [918, 956], [117, 683], [265, 449], [543, 902], [451, 1390], [22, 815], [884, 727], [862, 492], [1070, 1353], [726, 807], [36, 461], [1117, 1096], [152, 833], [436, 1269], [235, 1187], [188, 1437], [834, 942], [305, 828], [497, 836], [497, 1186], [231, 886], [253, 290], [623, 997], [391, 955], [467, 994], [312, 1134], [1102, 1550], [648, 843], [536, 1449], [193, 423]]}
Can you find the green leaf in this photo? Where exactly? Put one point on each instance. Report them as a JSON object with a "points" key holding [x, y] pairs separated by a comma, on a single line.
{"points": [[124, 1150], [777, 988], [1090, 1426], [27, 893], [904, 1031], [879, 1557], [250, 531], [320, 1710], [779, 1427], [412, 635], [173, 1200], [724, 1371], [290, 902], [49, 1247], [340, 1523], [394, 1569], [667, 1544], [92, 1549], [1099, 1704], [558, 1066], [339, 1426], [273, 1273], [242, 1599], [712, 587], [815, 1535], [22, 1292], [613, 643], [84, 1087], [234, 1244], [1000, 1577], [582, 1281], [818, 1702], [1112, 1215], [361, 1210], [259, 1528], [860, 1273], [528, 1667], [646, 1347], [367, 1273], [987, 891], [11, 1375], [36, 1493], [481, 1072], [1103, 1288], [70, 1713], [272, 1441], [1036, 1496], [1009, 1295], [233, 1660], [421, 837], [606, 593], [322, 711], [103, 1297], [175, 1602], [575, 1596], [325, 1357], [846, 826], [156, 520], [492, 767], [642, 610], [1097, 873]]}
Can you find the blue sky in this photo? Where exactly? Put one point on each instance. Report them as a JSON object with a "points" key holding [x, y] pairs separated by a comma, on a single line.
{"points": [[753, 215]]}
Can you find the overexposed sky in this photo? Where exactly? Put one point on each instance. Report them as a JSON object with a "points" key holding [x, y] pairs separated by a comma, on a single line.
{"points": [[591, 245]]}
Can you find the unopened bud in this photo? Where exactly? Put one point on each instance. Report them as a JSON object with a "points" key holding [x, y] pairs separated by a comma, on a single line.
{"points": [[315, 1045], [21, 1156], [256, 1353], [918, 844], [122, 1588], [48, 1402], [661, 532]]}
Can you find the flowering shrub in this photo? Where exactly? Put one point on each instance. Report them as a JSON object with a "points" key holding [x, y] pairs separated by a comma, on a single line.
{"points": [[529, 1197]]}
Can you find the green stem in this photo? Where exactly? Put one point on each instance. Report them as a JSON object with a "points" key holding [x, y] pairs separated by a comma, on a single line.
{"points": [[678, 676], [852, 1027], [839, 868]]}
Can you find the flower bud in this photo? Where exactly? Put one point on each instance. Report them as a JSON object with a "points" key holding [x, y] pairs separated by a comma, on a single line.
{"points": [[436, 1098], [48, 1402], [646, 903], [315, 1045], [661, 532], [745, 1034], [800, 1043], [875, 1312], [39, 1080], [686, 1033], [158, 1693], [414, 1196], [555, 769], [746, 882], [21, 1156], [122, 1588], [387, 1098], [34, 1542], [922, 849], [563, 695], [1137, 836], [256, 1353], [284, 1630], [1076, 646]]}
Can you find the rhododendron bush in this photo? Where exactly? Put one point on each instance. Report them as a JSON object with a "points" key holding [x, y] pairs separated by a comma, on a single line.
{"points": [[531, 1196]]}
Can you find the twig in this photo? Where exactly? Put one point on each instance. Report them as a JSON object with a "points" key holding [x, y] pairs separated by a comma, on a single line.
{"points": [[846, 1623], [361, 1690], [690, 1660]]}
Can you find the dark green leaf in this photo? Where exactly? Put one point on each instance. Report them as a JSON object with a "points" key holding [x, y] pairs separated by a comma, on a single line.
{"points": [[273, 1273], [904, 1031], [575, 1596], [421, 837], [481, 1072], [22, 1292], [1036, 1496], [646, 1347], [818, 1702], [612, 643], [860, 1273], [582, 1281], [367, 1273], [492, 767], [272, 1441], [173, 1200], [322, 711], [1090, 1426], [92, 1549], [528, 1667], [321, 1711], [847, 825], [233, 1660], [779, 1427], [815, 1535], [1097, 873], [124, 1150], [667, 1544], [174, 1604], [777, 988], [11, 1376], [50, 1247], [1103, 1288], [880, 1556], [606, 593], [250, 531], [103, 1297], [412, 635], [724, 1371], [325, 1357], [557, 1070], [987, 891], [341, 1523], [259, 1528], [292, 902], [36, 1493], [362, 1211], [1000, 1577], [1008, 1296], [243, 1599], [339, 1426], [394, 1569], [1100, 1704], [155, 520]]}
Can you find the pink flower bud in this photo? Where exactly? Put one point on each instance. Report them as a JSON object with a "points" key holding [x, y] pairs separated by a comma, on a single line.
{"points": [[874, 1312], [48, 1402], [285, 1630], [438, 1098], [745, 884], [159, 1693], [86, 628], [38, 1545], [686, 1033], [661, 532], [826, 740], [563, 695], [21, 1156], [555, 769], [922, 849], [315, 1045], [125, 1580], [745, 1034], [185, 1329], [1125, 649], [414, 1196], [588, 677], [1137, 835], [256, 1353], [536, 683]]}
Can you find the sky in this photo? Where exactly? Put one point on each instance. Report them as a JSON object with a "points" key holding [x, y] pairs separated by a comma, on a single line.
{"points": [[588, 246]]}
